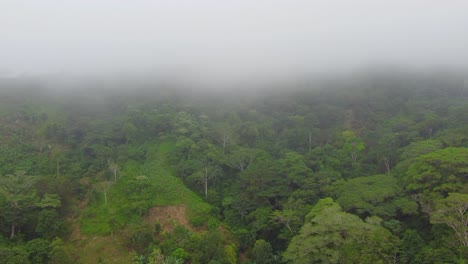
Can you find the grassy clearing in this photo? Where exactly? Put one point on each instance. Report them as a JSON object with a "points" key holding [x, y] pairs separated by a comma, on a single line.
{"points": [[140, 187]]}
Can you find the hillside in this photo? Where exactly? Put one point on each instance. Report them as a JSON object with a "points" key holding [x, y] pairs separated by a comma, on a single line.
{"points": [[147, 193], [369, 169]]}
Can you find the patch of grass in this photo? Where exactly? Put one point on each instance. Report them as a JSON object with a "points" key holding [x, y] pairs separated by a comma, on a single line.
{"points": [[141, 186]]}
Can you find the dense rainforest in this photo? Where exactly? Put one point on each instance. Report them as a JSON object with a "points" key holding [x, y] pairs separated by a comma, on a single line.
{"points": [[368, 168]]}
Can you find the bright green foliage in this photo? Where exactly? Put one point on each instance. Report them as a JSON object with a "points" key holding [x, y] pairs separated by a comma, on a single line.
{"points": [[230, 254], [149, 185], [180, 253], [414, 150], [373, 195], [286, 217], [330, 235], [173, 260], [418, 148], [49, 201], [440, 172], [453, 211], [156, 257], [352, 144]]}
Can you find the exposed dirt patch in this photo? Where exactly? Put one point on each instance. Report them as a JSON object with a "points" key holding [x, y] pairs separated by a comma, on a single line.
{"points": [[75, 230], [168, 217], [83, 203]]}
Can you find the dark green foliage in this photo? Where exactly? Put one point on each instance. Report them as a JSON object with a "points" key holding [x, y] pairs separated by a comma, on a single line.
{"points": [[49, 225], [411, 245], [38, 250], [262, 252], [209, 248], [58, 253], [13, 255], [435, 256], [244, 238], [140, 240]]}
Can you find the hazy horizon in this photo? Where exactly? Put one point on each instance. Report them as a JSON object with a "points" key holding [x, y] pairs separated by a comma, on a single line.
{"points": [[222, 41]]}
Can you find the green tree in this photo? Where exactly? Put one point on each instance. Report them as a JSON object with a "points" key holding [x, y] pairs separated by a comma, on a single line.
{"points": [[13, 255], [205, 175], [58, 253], [230, 254], [373, 195], [49, 225], [224, 135], [262, 252], [411, 245], [439, 172], [209, 248], [413, 151], [19, 199], [103, 187], [38, 250], [352, 144], [453, 212], [330, 235], [240, 158]]}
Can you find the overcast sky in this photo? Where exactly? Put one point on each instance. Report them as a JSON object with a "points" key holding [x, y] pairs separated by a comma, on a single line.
{"points": [[229, 38]]}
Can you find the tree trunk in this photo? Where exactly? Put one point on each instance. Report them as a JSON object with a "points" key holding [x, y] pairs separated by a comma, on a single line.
{"points": [[58, 168], [105, 198], [12, 234], [206, 183], [310, 141], [387, 164]]}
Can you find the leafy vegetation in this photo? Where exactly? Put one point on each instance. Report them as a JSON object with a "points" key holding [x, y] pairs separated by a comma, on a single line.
{"points": [[365, 170]]}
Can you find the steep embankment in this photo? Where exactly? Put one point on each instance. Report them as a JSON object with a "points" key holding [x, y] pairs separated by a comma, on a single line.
{"points": [[144, 193]]}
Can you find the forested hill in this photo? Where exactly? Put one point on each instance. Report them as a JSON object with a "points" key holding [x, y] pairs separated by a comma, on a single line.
{"points": [[363, 169]]}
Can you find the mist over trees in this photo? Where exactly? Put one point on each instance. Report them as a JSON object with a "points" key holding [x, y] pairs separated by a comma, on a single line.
{"points": [[365, 168]]}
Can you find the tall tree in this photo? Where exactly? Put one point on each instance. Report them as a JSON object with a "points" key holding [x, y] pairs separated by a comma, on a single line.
{"points": [[373, 195], [330, 235], [19, 198], [352, 144], [439, 172], [453, 211]]}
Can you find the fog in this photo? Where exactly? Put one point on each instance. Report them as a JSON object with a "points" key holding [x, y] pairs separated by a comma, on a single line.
{"points": [[221, 41]]}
